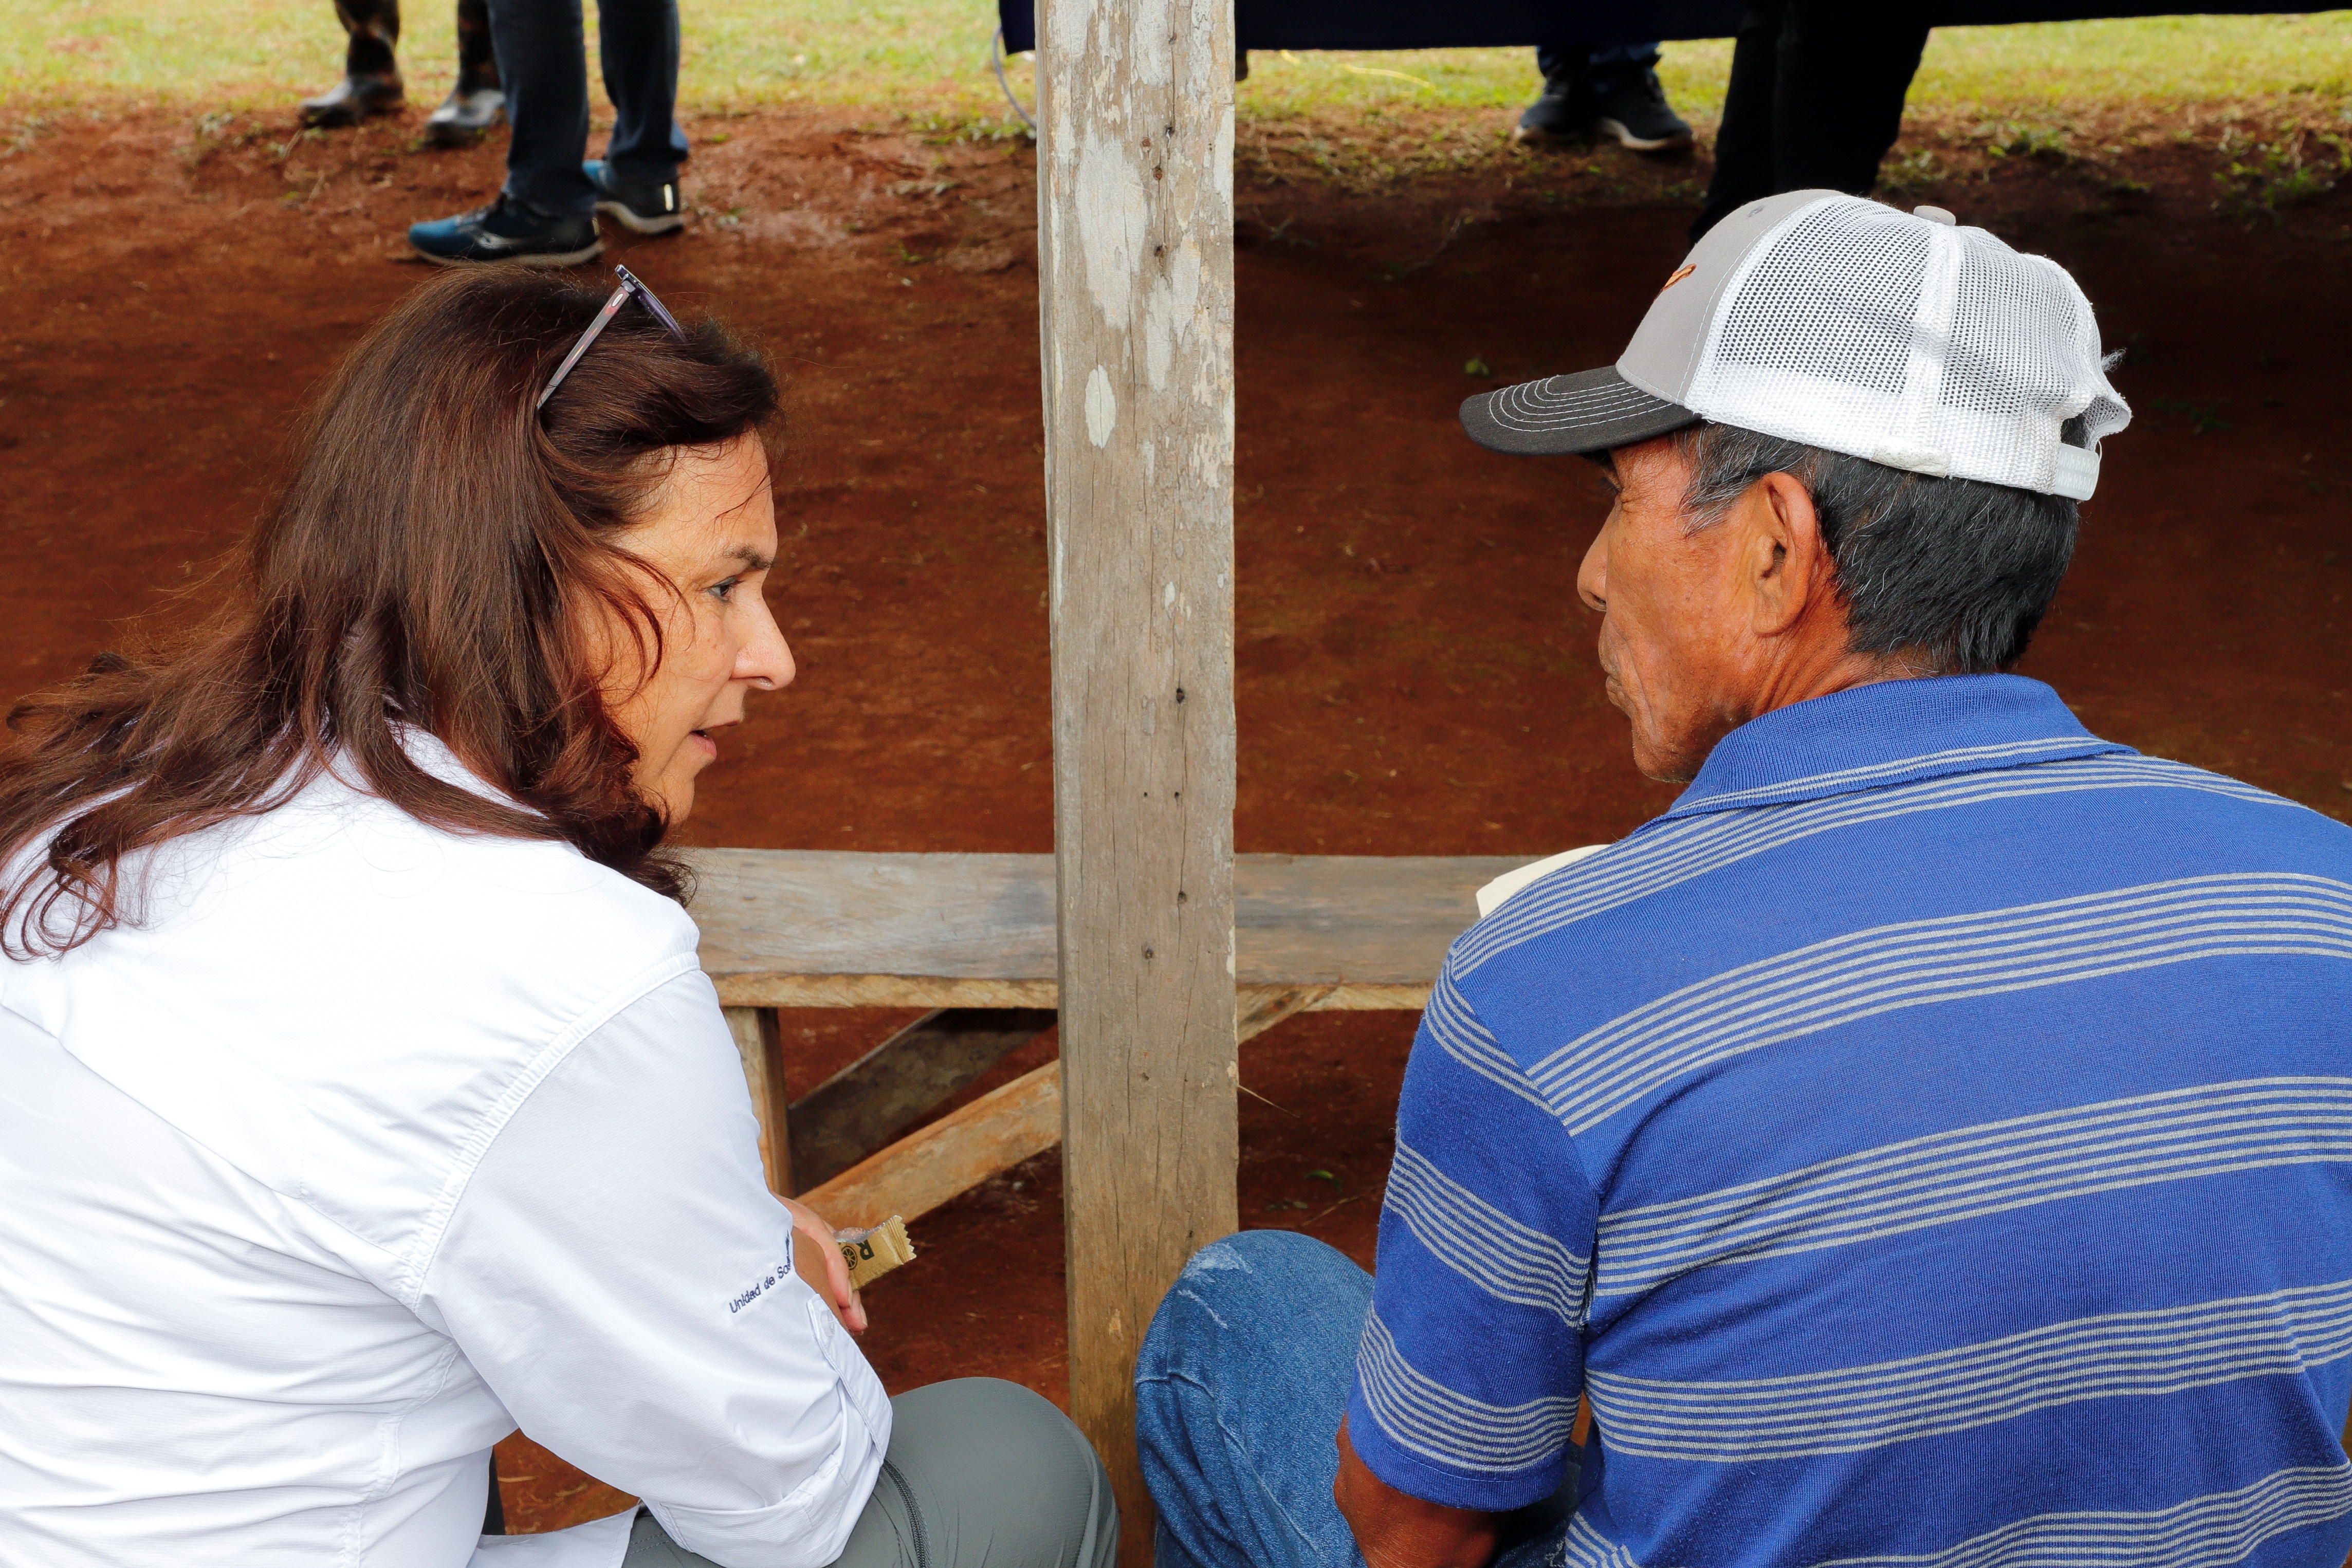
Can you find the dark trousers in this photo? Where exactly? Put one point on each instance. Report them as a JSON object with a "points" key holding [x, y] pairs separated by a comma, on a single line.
{"points": [[1815, 101], [372, 30], [1598, 72], [542, 47]]}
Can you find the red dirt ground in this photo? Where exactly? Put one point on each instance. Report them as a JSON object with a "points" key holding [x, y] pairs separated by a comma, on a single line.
{"points": [[1415, 675]]}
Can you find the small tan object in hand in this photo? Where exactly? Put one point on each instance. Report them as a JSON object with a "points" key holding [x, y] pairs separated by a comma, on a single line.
{"points": [[871, 1254]]}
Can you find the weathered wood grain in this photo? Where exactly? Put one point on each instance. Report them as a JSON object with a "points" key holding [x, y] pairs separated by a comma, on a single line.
{"points": [[902, 991], [991, 1135], [761, 1046], [864, 1106], [830, 928], [953, 1155], [1260, 1007], [818, 912], [1135, 110], [834, 929], [880, 991]]}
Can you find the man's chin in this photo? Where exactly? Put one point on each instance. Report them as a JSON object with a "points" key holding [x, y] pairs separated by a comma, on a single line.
{"points": [[1664, 764]]}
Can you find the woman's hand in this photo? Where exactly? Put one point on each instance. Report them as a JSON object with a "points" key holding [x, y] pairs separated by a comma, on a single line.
{"points": [[817, 1259]]}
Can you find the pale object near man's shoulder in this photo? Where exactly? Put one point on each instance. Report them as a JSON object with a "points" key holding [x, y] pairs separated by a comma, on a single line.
{"points": [[1499, 892]]}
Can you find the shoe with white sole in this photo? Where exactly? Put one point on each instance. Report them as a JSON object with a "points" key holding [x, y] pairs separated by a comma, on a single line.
{"points": [[652, 208], [1562, 116], [506, 234], [464, 116], [352, 99], [1638, 117]]}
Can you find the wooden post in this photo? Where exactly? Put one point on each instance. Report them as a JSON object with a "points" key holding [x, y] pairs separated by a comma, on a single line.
{"points": [[1136, 307], [758, 1041]]}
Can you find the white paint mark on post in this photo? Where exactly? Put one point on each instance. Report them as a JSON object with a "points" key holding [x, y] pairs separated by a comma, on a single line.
{"points": [[1111, 220], [1168, 597], [1169, 313], [1152, 55], [1102, 407]]}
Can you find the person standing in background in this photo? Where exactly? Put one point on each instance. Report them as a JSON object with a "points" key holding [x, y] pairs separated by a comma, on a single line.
{"points": [[372, 84], [1610, 91], [545, 215], [1815, 99]]}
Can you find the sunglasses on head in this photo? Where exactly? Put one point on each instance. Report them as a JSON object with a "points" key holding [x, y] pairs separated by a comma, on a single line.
{"points": [[630, 286]]}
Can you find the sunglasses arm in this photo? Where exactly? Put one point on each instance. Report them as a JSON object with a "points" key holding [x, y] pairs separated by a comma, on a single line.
{"points": [[603, 317]]}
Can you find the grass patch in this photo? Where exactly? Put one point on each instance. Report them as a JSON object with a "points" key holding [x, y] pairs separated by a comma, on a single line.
{"points": [[2024, 72], [254, 55], [2295, 167], [929, 56]]}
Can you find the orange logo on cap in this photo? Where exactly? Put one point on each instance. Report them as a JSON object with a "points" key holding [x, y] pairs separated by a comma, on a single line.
{"points": [[1680, 273]]}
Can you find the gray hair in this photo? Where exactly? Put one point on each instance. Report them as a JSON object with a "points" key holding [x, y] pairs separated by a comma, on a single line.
{"points": [[1955, 573]]}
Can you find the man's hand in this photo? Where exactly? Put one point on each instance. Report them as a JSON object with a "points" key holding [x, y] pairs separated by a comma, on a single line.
{"points": [[1394, 1529], [817, 1259]]}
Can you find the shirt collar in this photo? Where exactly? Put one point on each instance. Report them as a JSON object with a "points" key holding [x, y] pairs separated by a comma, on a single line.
{"points": [[1892, 732], [431, 754]]}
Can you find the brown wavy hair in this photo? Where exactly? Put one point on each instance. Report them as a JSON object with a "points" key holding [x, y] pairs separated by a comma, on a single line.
{"points": [[437, 559]]}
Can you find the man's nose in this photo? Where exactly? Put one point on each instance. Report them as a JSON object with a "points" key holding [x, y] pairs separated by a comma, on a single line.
{"points": [[1592, 577]]}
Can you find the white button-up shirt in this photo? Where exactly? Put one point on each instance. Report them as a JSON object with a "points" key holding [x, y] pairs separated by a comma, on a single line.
{"points": [[365, 1143]]}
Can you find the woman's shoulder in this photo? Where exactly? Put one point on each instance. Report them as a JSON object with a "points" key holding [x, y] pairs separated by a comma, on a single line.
{"points": [[386, 877], [344, 1001]]}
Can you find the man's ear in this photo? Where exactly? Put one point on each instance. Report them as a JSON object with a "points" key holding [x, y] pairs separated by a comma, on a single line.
{"points": [[1786, 566]]}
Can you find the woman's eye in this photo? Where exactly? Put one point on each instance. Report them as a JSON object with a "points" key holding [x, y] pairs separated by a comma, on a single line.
{"points": [[725, 591]]}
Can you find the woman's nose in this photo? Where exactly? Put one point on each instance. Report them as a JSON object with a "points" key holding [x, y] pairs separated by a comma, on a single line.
{"points": [[766, 660]]}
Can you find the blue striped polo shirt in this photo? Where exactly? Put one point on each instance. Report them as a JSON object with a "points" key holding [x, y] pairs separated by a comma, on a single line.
{"points": [[1930, 1142]]}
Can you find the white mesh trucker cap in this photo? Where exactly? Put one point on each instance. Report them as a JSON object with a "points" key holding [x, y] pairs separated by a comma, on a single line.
{"points": [[1843, 324]]}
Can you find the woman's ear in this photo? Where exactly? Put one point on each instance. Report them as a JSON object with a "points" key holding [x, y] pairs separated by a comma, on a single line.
{"points": [[1786, 568]]}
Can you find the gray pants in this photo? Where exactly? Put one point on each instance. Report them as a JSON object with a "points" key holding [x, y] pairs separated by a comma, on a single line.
{"points": [[980, 1474]]}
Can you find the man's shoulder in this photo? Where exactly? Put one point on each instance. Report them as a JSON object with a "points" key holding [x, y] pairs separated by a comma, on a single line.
{"points": [[1691, 893]]}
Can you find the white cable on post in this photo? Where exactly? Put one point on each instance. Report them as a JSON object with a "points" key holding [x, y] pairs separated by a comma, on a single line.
{"points": [[996, 63]]}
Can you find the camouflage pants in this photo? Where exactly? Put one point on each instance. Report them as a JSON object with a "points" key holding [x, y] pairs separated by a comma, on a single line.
{"points": [[373, 30]]}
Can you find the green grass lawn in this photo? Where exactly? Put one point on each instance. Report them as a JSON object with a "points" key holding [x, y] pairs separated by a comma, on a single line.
{"points": [[931, 55]]}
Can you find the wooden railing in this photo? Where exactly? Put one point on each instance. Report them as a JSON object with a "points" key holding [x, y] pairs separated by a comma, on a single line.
{"points": [[972, 937]]}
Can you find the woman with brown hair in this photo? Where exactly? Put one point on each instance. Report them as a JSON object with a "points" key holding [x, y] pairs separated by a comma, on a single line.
{"points": [[365, 1100]]}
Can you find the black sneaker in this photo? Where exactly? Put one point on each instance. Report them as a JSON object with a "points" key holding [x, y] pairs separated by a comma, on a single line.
{"points": [[649, 209], [1638, 117], [352, 99], [1562, 116], [506, 234], [464, 116]]}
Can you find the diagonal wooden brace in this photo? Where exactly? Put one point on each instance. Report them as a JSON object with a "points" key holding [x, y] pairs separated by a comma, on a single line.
{"points": [[994, 1133], [865, 1105]]}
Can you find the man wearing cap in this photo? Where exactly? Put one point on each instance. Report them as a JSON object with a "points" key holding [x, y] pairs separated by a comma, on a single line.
{"points": [[1930, 1142]]}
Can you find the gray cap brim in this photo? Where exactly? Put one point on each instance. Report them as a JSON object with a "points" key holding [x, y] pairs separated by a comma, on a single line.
{"points": [[1578, 415]]}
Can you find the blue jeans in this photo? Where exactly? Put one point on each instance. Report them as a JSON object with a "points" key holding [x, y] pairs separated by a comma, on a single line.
{"points": [[1239, 1391], [542, 52]]}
